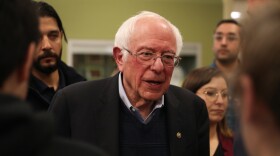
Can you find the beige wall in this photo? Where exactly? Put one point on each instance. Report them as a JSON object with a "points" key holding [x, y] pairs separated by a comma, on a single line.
{"points": [[100, 19]]}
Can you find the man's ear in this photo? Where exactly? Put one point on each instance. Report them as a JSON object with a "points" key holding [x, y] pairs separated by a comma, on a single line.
{"points": [[24, 71], [118, 56]]}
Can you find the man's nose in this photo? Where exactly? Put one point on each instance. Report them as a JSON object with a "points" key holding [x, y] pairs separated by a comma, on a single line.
{"points": [[224, 40], [45, 43], [158, 65]]}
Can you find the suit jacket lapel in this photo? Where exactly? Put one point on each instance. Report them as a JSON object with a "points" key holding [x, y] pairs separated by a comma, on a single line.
{"points": [[174, 123], [108, 117]]}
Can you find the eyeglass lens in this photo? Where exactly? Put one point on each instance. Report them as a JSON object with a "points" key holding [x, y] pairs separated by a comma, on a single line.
{"points": [[212, 95]]}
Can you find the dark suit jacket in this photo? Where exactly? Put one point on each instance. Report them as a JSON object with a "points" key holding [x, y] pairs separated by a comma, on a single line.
{"points": [[89, 111]]}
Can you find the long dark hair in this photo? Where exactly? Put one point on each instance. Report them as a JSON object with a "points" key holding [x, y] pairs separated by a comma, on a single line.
{"points": [[46, 10]]}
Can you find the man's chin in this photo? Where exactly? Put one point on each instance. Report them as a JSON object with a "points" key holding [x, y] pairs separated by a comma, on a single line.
{"points": [[225, 60], [46, 69], [152, 96]]}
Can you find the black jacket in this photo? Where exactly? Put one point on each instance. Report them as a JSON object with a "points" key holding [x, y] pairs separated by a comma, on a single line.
{"points": [[89, 111], [22, 132], [37, 101]]}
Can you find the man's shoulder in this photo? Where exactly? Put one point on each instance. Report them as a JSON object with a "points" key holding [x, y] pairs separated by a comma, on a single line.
{"points": [[70, 74], [184, 95], [93, 85], [213, 64], [11, 105], [180, 92]]}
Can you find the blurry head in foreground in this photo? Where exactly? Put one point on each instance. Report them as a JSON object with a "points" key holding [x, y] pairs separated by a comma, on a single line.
{"points": [[260, 81], [19, 35]]}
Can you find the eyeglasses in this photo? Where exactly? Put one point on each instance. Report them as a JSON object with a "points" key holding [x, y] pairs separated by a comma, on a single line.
{"points": [[230, 38], [148, 58], [212, 95]]}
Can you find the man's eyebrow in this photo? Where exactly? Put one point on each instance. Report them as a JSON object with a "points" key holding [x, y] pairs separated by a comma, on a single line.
{"points": [[53, 31], [219, 33], [168, 51], [232, 34], [229, 33]]}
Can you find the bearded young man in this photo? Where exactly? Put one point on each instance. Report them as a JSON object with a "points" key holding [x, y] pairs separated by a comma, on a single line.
{"points": [[49, 73]]}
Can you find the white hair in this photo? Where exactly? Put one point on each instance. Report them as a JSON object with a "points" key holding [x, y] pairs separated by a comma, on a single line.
{"points": [[126, 29]]}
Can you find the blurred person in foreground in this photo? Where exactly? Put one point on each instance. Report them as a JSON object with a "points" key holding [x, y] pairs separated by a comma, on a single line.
{"points": [[211, 85], [259, 76], [137, 111], [49, 73], [23, 132]]}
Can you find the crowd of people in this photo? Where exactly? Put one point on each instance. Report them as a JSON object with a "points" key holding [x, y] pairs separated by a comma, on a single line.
{"points": [[231, 107]]}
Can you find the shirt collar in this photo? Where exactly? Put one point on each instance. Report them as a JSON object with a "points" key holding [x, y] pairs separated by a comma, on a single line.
{"points": [[38, 84], [41, 86]]}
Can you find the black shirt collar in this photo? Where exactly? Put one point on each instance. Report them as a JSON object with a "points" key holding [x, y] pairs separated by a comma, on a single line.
{"points": [[43, 89]]}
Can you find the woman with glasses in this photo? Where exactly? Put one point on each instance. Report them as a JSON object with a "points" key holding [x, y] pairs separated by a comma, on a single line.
{"points": [[210, 84]]}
